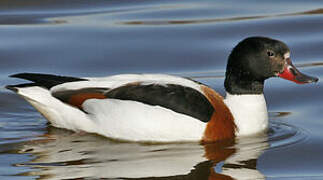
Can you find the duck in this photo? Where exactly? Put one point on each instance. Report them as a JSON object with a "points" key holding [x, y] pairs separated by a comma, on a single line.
{"points": [[162, 107]]}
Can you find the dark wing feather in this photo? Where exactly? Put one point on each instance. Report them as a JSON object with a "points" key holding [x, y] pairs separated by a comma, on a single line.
{"points": [[45, 80], [178, 98]]}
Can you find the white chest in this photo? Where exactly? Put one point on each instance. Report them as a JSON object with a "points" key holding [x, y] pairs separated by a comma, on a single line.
{"points": [[249, 112]]}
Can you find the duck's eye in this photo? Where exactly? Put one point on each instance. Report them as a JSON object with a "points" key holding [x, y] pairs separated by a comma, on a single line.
{"points": [[270, 53]]}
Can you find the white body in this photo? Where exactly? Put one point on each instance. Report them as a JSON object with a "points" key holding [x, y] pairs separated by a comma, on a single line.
{"points": [[135, 121], [249, 112]]}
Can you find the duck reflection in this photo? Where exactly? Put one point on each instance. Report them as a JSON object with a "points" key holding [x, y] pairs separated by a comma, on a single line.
{"points": [[64, 155]]}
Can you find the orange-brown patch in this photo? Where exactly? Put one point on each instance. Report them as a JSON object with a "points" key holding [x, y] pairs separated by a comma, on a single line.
{"points": [[220, 150], [221, 125], [216, 176], [217, 152], [78, 99]]}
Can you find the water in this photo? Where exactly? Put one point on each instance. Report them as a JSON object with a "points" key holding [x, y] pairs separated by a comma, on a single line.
{"points": [[188, 38]]}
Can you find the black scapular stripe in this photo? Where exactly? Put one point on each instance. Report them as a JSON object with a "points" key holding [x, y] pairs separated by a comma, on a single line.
{"points": [[178, 98], [44, 80]]}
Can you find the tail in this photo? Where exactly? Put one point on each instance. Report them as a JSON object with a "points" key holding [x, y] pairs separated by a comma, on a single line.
{"points": [[43, 80]]}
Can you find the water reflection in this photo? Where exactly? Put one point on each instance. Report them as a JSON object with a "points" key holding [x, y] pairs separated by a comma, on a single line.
{"points": [[216, 20], [63, 155], [103, 11], [31, 19]]}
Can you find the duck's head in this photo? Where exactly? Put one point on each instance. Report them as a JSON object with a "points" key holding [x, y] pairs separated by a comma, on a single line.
{"points": [[256, 59]]}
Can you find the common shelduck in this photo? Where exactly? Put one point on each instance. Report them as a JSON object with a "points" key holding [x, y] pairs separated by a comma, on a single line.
{"points": [[165, 108]]}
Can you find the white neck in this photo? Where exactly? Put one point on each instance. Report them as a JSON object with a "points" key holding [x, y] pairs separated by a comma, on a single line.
{"points": [[249, 112]]}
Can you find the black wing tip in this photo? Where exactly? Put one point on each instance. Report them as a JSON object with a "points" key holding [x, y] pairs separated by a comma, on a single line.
{"points": [[26, 75], [46, 80], [51, 77], [18, 75], [15, 88], [12, 88]]}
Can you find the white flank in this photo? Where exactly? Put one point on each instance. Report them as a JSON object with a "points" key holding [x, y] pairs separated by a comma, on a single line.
{"points": [[131, 120], [249, 112]]}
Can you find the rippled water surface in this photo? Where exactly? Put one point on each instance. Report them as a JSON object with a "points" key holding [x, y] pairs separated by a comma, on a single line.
{"points": [[181, 37]]}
